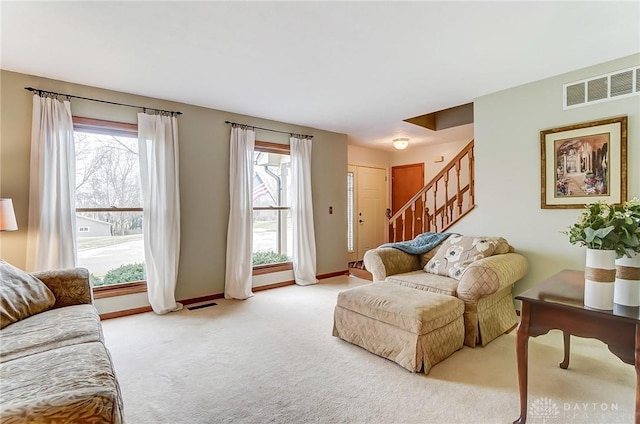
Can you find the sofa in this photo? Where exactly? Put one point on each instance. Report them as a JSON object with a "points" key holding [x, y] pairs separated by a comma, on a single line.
{"points": [[54, 366], [480, 271]]}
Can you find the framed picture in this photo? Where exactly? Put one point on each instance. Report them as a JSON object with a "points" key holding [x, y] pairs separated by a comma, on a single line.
{"points": [[584, 163]]}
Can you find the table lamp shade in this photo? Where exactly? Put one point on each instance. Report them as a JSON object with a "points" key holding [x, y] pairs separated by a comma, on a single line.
{"points": [[7, 216]]}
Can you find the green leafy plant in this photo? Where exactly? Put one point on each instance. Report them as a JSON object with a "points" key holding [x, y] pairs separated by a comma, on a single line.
{"points": [[122, 274], [603, 226], [95, 280], [125, 274], [263, 257]]}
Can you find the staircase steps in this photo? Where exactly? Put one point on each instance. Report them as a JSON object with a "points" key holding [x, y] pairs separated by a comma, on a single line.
{"points": [[448, 197], [357, 269]]}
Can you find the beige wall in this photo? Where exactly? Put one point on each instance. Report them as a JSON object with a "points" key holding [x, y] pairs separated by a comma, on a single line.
{"points": [[507, 151], [204, 181], [363, 156]]}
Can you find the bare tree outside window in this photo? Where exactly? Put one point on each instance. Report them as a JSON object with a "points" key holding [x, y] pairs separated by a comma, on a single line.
{"points": [[108, 203]]}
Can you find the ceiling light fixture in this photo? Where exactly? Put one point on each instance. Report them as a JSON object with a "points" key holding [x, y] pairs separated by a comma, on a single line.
{"points": [[400, 143]]}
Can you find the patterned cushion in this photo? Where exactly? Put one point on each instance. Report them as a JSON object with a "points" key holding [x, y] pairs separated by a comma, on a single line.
{"points": [[424, 281], [457, 252], [49, 330], [21, 295], [426, 257], [70, 384]]}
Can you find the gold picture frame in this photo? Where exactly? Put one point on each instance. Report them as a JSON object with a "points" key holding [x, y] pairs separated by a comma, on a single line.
{"points": [[584, 163]]}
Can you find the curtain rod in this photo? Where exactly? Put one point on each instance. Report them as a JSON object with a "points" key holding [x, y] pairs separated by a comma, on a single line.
{"points": [[268, 129], [144, 108]]}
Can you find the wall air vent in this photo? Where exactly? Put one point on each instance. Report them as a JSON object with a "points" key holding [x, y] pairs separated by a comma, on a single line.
{"points": [[602, 88]]}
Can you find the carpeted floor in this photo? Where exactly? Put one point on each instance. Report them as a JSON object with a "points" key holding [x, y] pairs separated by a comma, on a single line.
{"points": [[272, 359]]}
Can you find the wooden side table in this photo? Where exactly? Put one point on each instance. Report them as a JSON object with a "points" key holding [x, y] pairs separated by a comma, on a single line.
{"points": [[558, 303]]}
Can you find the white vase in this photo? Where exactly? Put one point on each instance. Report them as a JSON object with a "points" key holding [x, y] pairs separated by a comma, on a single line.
{"points": [[599, 278], [627, 286]]}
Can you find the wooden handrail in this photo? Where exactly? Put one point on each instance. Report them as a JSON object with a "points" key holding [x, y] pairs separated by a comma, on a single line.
{"points": [[418, 207], [439, 176]]}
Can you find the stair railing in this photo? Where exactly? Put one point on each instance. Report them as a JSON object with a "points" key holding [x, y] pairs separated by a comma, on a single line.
{"points": [[442, 202]]}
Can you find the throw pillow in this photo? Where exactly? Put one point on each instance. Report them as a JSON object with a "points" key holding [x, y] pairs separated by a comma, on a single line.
{"points": [[426, 257], [457, 252], [21, 295]]}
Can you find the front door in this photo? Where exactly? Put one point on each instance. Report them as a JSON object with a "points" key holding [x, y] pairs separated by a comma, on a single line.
{"points": [[371, 203]]}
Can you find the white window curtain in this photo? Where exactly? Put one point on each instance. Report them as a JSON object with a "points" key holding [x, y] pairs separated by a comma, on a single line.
{"points": [[304, 238], [158, 149], [239, 267], [51, 236]]}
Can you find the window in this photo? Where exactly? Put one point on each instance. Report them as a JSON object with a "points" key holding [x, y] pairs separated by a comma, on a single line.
{"points": [[350, 213], [109, 203], [272, 230]]}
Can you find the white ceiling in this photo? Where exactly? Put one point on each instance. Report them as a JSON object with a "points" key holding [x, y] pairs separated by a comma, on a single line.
{"points": [[358, 68]]}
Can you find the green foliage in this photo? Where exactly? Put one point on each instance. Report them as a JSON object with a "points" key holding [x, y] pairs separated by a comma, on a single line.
{"points": [[263, 257], [95, 280], [604, 226], [122, 274]]}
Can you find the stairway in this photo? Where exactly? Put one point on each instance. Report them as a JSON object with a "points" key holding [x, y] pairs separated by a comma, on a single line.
{"points": [[447, 198], [357, 269]]}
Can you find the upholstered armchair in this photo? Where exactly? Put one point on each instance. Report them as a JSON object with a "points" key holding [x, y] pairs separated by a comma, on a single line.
{"points": [[484, 285]]}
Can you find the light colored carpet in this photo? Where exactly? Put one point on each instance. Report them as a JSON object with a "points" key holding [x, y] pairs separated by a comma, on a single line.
{"points": [[272, 359]]}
